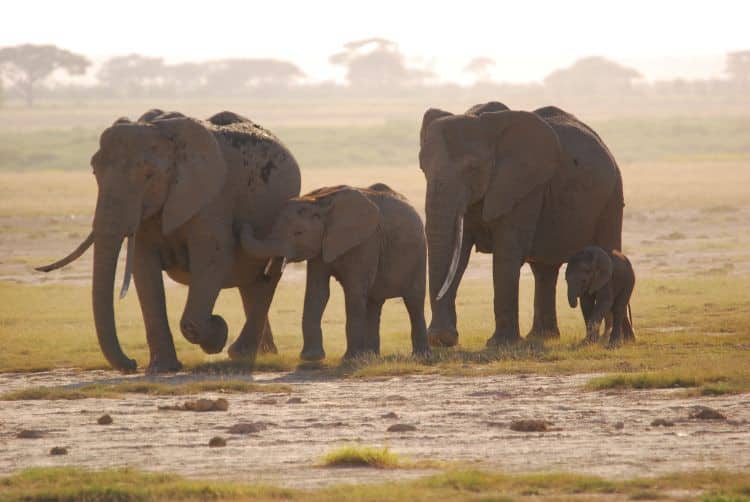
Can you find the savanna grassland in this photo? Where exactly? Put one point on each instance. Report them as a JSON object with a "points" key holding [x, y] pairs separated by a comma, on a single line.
{"points": [[686, 230]]}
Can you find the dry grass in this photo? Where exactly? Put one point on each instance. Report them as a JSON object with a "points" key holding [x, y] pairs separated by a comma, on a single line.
{"points": [[117, 390], [361, 456], [130, 485]]}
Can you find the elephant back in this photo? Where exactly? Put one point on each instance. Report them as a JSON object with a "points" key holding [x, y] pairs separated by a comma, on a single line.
{"points": [[262, 172]]}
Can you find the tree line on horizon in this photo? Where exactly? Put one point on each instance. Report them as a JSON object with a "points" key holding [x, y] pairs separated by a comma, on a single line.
{"points": [[372, 65]]}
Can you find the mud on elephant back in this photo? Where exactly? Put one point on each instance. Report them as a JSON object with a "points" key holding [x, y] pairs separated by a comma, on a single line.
{"points": [[179, 189], [525, 186]]}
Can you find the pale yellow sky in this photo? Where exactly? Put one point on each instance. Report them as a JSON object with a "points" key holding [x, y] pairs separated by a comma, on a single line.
{"points": [[527, 38]]}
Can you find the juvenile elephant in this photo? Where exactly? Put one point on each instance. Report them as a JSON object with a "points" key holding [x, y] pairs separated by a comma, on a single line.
{"points": [[604, 282], [372, 241], [526, 187], [180, 190]]}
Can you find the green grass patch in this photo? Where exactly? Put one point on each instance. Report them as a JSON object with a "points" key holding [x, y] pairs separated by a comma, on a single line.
{"points": [[117, 390], [131, 485], [361, 456], [699, 382]]}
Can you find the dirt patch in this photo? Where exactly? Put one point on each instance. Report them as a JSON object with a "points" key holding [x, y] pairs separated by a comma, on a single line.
{"points": [[605, 433]]}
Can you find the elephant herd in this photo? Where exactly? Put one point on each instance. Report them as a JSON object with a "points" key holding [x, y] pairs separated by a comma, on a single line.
{"points": [[216, 204]]}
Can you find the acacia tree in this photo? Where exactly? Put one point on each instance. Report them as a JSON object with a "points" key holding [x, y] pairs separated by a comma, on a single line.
{"points": [[738, 67], [131, 75], [24, 66], [377, 62], [593, 75]]}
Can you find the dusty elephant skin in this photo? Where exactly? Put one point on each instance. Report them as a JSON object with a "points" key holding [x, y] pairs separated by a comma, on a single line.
{"points": [[179, 189], [454, 421], [371, 240], [604, 281], [526, 187]]}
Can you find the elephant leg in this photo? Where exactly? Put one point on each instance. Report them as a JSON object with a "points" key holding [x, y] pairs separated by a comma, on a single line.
{"points": [[587, 308], [415, 307], [256, 300], [317, 292], [443, 330], [198, 323], [505, 273], [545, 309], [627, 329], [149, 285], [372, 340], [618, 314], [355, 298]]}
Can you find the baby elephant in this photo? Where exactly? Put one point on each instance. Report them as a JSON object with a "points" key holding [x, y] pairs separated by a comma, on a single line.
{"points": [[604, 281], [372, 241]]}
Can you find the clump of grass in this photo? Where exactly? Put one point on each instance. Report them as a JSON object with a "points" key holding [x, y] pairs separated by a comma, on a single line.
{"points": [[699, 383], [117, 390], [361, 456]]}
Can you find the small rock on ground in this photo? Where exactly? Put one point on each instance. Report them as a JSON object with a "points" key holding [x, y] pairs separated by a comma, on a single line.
{"points": [[706, 413], [58, 450], [30, 434], [220, 404], [217, 442], [390, 414], [619, 425], [662, 422], [401, 428], [530, 425], [294, 400], [104, 420]]}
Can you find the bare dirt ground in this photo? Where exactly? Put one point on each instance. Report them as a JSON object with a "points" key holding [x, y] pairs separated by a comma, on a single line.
{"points": [[465, 420]]}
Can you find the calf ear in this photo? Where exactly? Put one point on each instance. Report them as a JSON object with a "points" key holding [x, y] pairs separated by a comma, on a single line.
{"points": [[601, 272], [351, 219]]}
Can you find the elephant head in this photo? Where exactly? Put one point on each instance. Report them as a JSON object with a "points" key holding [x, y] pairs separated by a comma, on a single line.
{"points": [[327, 222], [491, 156], [164, 165], [588, 271]]}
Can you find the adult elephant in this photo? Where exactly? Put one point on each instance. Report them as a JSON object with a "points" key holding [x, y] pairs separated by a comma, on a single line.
{"points": [[526, 187], [180, 190]]}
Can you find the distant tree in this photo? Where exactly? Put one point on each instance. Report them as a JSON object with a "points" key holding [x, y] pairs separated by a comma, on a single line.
{"points": [[232, 75], [738, 67], [480, 68], [131, 75], [592, 74], [25, 66], [186, 77], [377, 62]]}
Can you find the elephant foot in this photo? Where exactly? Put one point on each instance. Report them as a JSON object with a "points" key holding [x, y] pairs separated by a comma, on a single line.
{"points": [[442, 338], [422, 352], [543, 333], [159, 365], [311, 355], [239, 351], [503, 339], [212, 337], [267, 347], [614, 343]]}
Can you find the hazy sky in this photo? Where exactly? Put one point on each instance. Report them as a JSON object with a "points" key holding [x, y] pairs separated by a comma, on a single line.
{"points": [[526, 38]]}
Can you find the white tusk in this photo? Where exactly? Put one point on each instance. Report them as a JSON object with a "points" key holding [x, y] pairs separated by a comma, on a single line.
{"points": [[456, 258], [283, 265], [267, 270], [128, 267]]}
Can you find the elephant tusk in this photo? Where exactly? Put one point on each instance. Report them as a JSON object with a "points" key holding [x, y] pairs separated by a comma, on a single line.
{"points": [[71, 257], [267, 270], [283, 265], [454, 261], [128, 268]]}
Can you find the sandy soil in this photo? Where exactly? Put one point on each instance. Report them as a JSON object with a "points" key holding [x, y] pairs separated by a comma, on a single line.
{"points": [[456, 419]]}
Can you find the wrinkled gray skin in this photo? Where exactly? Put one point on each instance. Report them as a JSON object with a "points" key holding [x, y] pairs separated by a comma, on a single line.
{"points": [[371, 241], [604, 282], [526, 187], [180, 190]]}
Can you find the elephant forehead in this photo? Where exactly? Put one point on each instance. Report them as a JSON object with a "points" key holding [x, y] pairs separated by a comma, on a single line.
{"points": [[128, 137]]}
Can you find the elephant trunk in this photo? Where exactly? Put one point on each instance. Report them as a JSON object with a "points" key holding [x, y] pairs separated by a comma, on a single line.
{"points": [[261, 248], [444, 231], [106, 252]]}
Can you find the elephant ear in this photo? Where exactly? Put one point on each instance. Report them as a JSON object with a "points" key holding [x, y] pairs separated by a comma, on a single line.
{"points": [[200, 170], [350, 220], [601, 272], [527, 154], [429, 117]]}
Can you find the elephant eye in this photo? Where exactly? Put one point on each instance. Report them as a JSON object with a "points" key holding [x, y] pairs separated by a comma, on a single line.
{"points": [[297, 233]]}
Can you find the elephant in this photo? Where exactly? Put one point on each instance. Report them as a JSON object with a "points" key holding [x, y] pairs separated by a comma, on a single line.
{"points": [[372, 241], [528, 187], [180, 190], [604, 282]]}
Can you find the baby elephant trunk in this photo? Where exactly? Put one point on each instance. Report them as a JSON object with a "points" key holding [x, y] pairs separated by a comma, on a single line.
{"points": [[572, 297]]}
